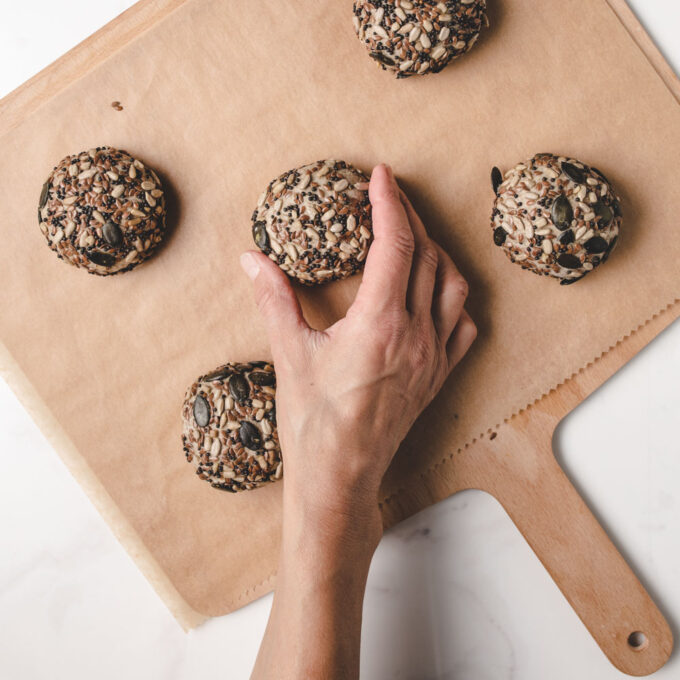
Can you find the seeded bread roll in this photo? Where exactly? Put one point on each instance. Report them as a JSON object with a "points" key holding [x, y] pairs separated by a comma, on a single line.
{"points": [[102, 210], [555, 216], [415, 37], [229, 427], [315, 222]]}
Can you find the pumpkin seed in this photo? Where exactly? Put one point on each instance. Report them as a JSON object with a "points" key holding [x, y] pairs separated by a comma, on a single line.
{"points": [[604, 212], [201, 411], [568, 282], [218, 374], [601, 174], [112, 234], [262, 378], [496, 179], [573, 173], [382, 58], [569, 261], [43, 195], [567, 237], [239, 388], [499, 236], [260, 235], [562, 212], [101, 259], [250, 436], [596, 245]]}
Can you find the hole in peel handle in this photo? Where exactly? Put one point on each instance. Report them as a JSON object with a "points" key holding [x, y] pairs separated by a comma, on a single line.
{"points": [[583, 562], [637, 641]]}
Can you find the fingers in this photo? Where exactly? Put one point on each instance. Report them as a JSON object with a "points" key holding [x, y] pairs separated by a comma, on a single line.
{"points": [[461, 340], [425, 262], [451, 291], [388, 265], [274, 296]]}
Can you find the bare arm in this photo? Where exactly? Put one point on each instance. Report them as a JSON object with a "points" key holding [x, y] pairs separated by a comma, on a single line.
{"points": [[346, 397]]}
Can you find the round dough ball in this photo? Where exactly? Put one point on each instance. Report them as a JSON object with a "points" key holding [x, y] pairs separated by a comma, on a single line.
{"points": [[415, 37], [315, 222], [229, 427], [555, 216], [102, 210]]}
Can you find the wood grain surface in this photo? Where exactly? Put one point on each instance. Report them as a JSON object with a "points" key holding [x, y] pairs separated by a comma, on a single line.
{"points": [[514, 461]]}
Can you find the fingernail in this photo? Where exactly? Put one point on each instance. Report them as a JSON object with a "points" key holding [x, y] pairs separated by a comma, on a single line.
{"points": [[250, 265]]}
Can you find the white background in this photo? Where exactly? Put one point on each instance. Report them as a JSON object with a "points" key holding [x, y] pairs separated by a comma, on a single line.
{"points": [[454, 593]]}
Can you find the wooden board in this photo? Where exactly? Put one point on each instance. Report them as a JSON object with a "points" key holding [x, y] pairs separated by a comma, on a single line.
{"points": [[513, 461]]}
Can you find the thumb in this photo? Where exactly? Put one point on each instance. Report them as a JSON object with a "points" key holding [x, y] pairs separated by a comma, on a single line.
{"points": [[274, 296]]}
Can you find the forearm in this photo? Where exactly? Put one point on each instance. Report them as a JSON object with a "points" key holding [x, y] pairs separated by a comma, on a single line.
{"points": [[314, 630], [346, 396]]}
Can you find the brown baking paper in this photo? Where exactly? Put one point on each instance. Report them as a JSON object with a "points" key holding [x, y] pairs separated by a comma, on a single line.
{"points": [[220, 97]]}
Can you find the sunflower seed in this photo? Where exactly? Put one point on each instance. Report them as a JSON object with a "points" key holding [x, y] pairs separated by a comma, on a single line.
{"points": [[438, 52], [215, 448]]}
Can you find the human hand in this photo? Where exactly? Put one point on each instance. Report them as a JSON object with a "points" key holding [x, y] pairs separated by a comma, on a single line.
{"points": [[347, 396]]}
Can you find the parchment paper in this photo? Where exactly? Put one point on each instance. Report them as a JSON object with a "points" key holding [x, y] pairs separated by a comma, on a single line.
{"points": [[222, 96]]}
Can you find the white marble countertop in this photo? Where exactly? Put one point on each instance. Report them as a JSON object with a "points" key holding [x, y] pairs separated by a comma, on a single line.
{"points": [[454, 593]]}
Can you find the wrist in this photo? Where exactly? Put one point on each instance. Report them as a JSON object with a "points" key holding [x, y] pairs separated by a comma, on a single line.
{"points": [[337, 523]]}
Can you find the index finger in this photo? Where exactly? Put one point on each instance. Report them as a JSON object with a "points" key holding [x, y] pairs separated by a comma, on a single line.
{"points": [[388, 265]]}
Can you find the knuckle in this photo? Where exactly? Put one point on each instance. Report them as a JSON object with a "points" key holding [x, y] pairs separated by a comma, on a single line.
{"points": [[460, 286], [427, 254], [424, 342], [389, 194], [472, 331], [403, 242], [391, 326], [423, 355], [268, 297]]}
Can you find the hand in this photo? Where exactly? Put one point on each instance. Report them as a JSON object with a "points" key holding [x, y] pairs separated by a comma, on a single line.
{"points": [[347, 396], [345, 399]]}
